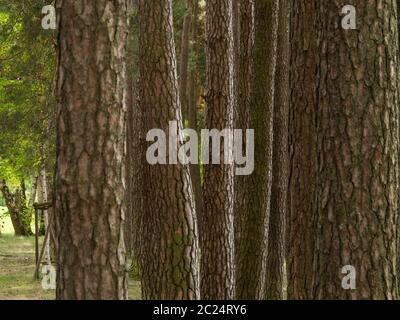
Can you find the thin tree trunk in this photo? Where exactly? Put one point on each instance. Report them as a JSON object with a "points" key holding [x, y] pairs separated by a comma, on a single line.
{"points": [[280, 166], [193, 99], [184, 65], [252, 259], [242, 114], [47, 256], [170, 262], [302, 142], [217, 230], [34, 188], [90, 179], [358, 160]]}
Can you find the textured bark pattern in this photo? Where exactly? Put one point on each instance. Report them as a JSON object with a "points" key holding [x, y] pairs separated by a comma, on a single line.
{"points": [[357, 129], [280, 166], [217, 234], [170, 264], [91, 150], [302, 142], [251, 273], [244, 51]]}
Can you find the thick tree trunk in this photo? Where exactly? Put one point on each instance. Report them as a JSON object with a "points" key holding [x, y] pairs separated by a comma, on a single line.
{"points": [[170, 263], [251, 269], [280, 167], [302, 143], [244, 67], [357, 130], [90, 182], [217, 232]]}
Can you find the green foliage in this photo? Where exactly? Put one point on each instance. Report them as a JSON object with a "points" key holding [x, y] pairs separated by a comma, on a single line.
{"points": [[27, 64]]}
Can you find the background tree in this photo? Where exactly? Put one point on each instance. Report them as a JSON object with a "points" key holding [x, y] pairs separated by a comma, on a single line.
{"points": [[90, 150], [26, 102]]}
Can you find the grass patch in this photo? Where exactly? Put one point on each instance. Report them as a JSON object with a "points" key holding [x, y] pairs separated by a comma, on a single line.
{"points": [[17, 265]]}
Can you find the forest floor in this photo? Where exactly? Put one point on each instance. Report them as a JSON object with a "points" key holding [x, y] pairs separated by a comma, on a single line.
{"points": [[17, 265]]}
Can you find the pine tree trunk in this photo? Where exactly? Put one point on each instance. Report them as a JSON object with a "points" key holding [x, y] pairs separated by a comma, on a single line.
{"points": [[245, 43], [90, 180], [192, 114], [216, 221], [170, 262], [302, 143], [280, 166], [357, 130], [184, 65], [251, 269]]}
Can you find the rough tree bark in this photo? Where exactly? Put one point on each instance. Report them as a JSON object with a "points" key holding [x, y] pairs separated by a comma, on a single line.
{"points": [[280, 165], [302, 144], [216, 221], [244, 51], [357, 130], [170, 263], [90, 178], [251, 269]]}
